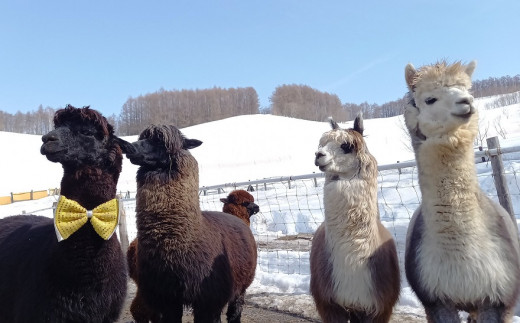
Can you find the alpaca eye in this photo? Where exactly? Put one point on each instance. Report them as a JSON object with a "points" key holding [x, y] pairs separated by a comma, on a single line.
{"points": [[347, 147], [87, 132], [430, 101]]}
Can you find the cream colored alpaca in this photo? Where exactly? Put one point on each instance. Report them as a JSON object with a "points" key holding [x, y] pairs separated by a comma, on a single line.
{"points": [[462, 249], [354, 266]]}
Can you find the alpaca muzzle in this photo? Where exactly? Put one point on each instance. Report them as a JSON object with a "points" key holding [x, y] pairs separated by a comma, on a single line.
{"points": [[252, 208]]}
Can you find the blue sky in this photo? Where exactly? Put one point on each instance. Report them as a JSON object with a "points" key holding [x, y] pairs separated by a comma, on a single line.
{"points": [[100, 53]]}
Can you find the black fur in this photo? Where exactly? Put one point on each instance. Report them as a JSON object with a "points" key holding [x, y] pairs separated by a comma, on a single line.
{"points": [[44, 280], [82, 278]]}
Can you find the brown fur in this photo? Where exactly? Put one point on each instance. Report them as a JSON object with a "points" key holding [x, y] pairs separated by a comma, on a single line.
{"points": [[140, 311], [238, 202], [232, 205], [383, 264], [185, 257]]}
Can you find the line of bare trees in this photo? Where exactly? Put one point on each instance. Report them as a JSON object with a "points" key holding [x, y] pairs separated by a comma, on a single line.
{"points": [[304, 102], [190, 107], [185, 108], [496, 85], [301, 101], [34, 122]]}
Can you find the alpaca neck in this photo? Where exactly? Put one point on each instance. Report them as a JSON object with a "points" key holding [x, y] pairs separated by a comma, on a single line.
{"points": [[448, 179], [171, 205], [89, 186], [351, 214]]}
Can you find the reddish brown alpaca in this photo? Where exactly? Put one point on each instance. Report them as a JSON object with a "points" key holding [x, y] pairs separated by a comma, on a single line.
{"points": [[241, 204]]}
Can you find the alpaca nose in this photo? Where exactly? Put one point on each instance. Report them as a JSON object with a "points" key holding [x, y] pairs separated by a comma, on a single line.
{"points": [[468, 101], [466, 104], [253, 208], [51, 136], [318, 156]]}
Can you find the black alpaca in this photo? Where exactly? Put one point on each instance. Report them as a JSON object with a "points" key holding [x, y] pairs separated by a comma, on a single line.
{"points": [[82, 278]]}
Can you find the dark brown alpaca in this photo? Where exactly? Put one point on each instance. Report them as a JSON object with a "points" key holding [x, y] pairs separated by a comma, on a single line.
{"points": [[82, 278], [141, 312], [184, 256], [354, 267], [241, 204], [238, 203]]}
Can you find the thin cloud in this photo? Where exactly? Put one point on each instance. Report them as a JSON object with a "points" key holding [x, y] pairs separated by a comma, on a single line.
{"points": [[352, 76]]}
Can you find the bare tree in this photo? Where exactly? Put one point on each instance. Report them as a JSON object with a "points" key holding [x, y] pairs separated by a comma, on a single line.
{"points": [[498, 127], [483, 128], [304, 102]]}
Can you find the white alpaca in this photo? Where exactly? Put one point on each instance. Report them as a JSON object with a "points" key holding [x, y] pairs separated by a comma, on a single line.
{"points": [[354, 266], [462, 249]]}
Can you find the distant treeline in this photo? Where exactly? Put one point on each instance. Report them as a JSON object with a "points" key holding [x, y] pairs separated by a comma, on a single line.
{"points": [[185, 108], [303, 102]]}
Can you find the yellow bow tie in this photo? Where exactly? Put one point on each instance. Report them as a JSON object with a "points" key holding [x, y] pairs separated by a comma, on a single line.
{"points": [[69, 216]]}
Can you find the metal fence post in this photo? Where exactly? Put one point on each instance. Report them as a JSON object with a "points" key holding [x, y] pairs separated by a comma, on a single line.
{"points": [[123, 233], [498, 175]]}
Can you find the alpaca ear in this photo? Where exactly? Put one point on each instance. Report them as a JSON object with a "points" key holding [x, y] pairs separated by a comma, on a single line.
{"points": [[223, 200], [126, 147], [358, 124], [191, 143], [231, 198], [333, 124], [470, 68], [409, 75]]}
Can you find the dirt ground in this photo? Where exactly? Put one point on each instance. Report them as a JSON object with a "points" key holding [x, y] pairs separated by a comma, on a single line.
{"points": [[253, 313], [255, 310]]}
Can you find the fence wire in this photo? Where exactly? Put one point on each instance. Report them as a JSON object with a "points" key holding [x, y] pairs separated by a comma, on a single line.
{"points": [[291, 209]]}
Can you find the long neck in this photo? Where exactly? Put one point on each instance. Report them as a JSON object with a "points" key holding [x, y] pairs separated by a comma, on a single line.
{"points": [[89, 186], [351, 212], [168, 205], [448, 179]]}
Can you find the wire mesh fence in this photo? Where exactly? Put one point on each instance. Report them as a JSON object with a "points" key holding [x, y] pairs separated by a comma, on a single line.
{"points": [[291, 208]]}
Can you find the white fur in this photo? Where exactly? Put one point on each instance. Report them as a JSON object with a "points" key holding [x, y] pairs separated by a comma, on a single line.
{"points": [[463, 257], [350, 247], [335, 161], [351, 219], [438, 119]]}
